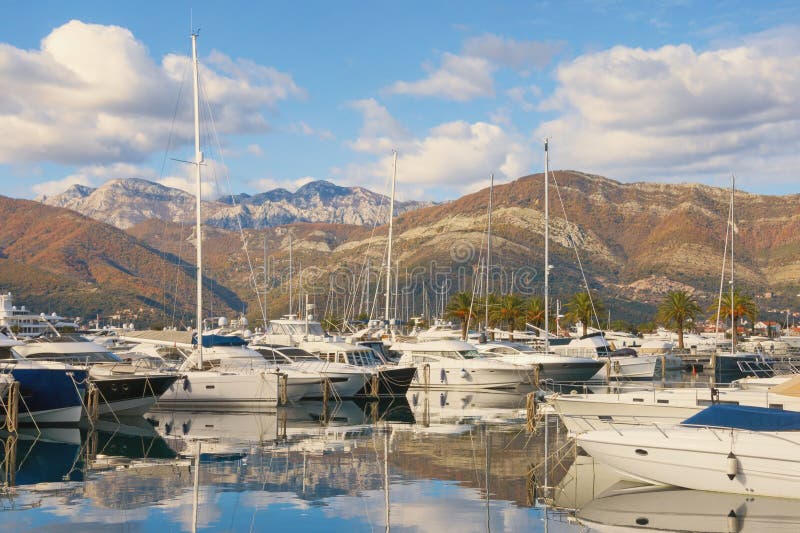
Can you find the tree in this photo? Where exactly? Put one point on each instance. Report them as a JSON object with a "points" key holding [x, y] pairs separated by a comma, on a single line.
{"points": [[581, 309], [742, 306], [534, 312], [678, 308], [510, 309], [461, 307]]}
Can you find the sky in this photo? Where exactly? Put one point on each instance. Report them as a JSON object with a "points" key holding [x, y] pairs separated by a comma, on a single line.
{"points": [[669, 91]]}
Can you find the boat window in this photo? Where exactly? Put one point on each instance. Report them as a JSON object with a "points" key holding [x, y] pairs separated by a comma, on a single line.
{"points": [[6, 353], [469, 354]]}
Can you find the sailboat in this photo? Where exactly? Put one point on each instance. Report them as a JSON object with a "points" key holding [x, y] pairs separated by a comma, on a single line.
{"points": [[736, 365], [221, 387]]}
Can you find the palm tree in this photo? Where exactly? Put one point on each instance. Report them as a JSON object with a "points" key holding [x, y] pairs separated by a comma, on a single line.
{"points": [[534, 313], [742, 306], [581, 309], [461, 307], [676, 310], [510, 309]]}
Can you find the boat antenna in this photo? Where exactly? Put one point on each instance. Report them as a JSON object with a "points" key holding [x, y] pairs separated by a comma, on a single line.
{"points": [[198, 160], [546, 247]]}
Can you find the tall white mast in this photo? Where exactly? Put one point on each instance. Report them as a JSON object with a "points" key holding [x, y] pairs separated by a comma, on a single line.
{"points": [[291, 266], [546, 247], [488, 253], [733, 235], [198, 160], [389, 251]]}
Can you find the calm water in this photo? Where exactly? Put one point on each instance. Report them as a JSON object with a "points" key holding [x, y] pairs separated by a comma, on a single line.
{"points": [[302, 468]]}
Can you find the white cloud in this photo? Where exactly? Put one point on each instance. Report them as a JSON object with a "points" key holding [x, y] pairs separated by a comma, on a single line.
{"points": [[92, 176], [469, 75], [93, 94], [302, 128], [254, 150], [459, 78], [520, 95], [380, 131], [452, 156], [677, 112], [518, 55]]}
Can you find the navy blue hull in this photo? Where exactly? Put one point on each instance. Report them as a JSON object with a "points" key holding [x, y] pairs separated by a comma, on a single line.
{"points": [[46, 389]]}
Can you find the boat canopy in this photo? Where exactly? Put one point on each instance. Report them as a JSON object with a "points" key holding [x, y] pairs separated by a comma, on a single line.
{"points": [[745, 417], [220, 340]]}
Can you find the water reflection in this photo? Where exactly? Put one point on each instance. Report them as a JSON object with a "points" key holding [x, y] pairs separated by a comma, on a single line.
{"points": [[459, 460]]}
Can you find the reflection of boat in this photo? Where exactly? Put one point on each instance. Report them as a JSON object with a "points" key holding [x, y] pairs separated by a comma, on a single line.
{"points": [[456, 406], [725, 448], [660, 509]]}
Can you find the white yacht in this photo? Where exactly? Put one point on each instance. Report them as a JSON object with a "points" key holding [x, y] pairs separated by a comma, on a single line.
{"points": [[586, 412], [456, 364], [725, 448], [623, 364], [344, 379], [552, 367], [307, 334]]}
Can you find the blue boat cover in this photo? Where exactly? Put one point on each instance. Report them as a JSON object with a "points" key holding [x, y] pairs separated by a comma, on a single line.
{"points": [[220, 340], [745, 417]]}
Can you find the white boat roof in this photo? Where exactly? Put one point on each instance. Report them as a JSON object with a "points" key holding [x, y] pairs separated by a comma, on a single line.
{"points": [[444, 345]]}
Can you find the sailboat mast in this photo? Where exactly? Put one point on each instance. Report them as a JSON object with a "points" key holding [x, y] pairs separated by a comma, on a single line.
{"points": [[488, 253], [291, 265], [546, 247], [389, 251], [733, 304], [198, 160]]}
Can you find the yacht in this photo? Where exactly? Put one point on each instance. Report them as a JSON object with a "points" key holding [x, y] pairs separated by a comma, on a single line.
{"points": [[307, 334], [345, 380], [447, 364], [50, 392], [725, 448], [623, 364], [586, 412], [124, 389], [551, 367]]}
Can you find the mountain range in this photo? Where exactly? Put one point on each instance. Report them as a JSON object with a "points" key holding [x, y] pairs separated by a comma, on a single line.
{"points": [[127, 202], [633, 243]]}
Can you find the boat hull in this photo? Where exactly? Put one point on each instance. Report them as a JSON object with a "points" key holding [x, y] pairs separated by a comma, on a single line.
{"points": [[131, 395], [392, 381], [222, 391], [768, 463], [50, 395]]}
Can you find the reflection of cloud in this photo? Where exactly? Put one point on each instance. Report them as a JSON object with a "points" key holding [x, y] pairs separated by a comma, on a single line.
{"points": [[434, 506]]}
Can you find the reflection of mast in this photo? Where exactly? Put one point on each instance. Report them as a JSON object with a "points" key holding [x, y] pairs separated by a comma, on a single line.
{"points": [[196, 492], [488, 514], [386, 478]]}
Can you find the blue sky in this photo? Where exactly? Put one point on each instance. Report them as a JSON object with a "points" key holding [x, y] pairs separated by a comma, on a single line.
{"points": [[667, 91]]}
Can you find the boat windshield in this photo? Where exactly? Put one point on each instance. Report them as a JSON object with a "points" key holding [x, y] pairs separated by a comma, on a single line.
{"points": [[296, 354], [296, 328], [76, 358]]}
